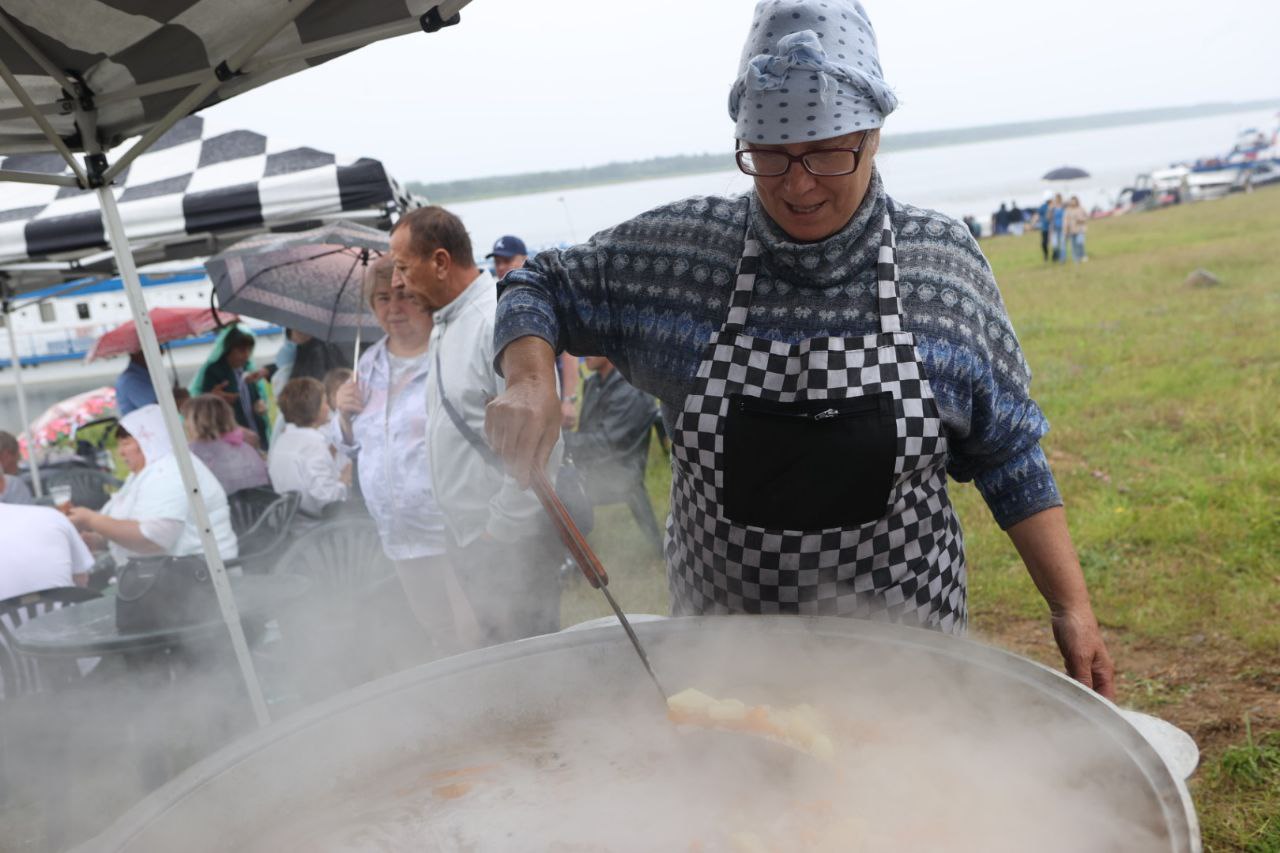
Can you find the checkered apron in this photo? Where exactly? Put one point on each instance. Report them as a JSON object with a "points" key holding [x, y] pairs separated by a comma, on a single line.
{"points": [[907, 566]]}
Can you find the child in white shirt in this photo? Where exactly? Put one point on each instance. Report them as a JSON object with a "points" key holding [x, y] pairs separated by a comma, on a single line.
{"points": [[301, 459]]}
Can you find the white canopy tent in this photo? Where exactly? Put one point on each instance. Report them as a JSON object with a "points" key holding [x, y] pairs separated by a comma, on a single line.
{"points": [[82, 76]]}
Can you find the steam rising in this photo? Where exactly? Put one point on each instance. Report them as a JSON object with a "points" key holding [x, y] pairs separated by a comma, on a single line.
{"points": [[560, 744]]}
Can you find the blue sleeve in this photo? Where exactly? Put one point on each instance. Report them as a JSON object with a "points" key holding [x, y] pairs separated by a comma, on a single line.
{"points": [[564, 297]]}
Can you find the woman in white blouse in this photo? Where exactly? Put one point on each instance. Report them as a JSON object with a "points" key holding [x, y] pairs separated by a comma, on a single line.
{"points": [[382, 422], [301, 458], [150, 515]]}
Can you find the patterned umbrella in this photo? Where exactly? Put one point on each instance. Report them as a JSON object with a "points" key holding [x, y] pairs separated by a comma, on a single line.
{"points": [[61, 419], [171, 324], [311, 281]]}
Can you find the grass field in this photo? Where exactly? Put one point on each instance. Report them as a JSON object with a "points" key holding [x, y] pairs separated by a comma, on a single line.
{"points": [[1166, 444]]}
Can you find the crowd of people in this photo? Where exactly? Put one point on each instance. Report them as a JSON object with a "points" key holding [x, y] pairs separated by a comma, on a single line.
{"points": [[400, 438], [1062, 226], [817, 397]]}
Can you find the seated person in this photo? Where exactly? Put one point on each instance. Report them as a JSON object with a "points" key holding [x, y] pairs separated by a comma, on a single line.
{"points": [[13, 489], [42, 550], [301, 458], [611, 444], [150, 515], [220, 444]]}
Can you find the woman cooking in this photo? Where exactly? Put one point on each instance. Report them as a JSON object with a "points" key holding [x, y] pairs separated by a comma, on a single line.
{"points": [[825, 357]]}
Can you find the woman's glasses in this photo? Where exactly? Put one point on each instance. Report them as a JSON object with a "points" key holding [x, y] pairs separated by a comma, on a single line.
{"points": [[821, 162]]}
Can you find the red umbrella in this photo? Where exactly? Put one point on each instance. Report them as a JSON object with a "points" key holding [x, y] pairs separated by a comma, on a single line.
{"points": [[171, 324]]}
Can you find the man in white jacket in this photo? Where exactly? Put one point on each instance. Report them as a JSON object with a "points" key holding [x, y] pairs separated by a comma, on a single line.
{"points": [[503, 547]]}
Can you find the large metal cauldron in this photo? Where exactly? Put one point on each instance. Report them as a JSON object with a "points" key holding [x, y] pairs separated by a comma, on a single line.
{"points": [[558, 743]]}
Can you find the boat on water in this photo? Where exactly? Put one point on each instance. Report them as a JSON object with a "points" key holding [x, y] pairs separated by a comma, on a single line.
{"points": [[1253, 161], [56, 327]]}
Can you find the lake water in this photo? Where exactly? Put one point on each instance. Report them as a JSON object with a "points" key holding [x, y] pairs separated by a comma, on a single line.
{"points": [[959, 180]]}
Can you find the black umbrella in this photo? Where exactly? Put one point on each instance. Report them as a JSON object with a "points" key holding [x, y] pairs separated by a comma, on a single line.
{"points": [[1065, 173], [308, 280]]}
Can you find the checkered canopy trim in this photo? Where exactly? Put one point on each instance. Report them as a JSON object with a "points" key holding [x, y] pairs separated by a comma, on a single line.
{"points": [[137, 59], [190, 183]]}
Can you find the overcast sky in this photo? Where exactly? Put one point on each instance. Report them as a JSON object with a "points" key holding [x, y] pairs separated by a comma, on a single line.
{"points": [[526, 85]]}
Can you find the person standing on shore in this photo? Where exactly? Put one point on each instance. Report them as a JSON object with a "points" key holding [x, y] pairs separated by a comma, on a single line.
{"points": [[1076, 220], [1057, 214], [1016, 218], [1042, 220]]}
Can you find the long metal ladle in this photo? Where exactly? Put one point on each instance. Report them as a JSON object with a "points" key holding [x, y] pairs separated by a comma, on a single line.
{"points": [[588, 562]]}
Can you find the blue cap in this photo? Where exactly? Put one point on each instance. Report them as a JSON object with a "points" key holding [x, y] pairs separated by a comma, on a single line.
{"points": [[508, 246]]}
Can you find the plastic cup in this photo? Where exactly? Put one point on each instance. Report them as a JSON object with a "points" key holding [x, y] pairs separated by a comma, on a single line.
{"points": [[61, 496]]}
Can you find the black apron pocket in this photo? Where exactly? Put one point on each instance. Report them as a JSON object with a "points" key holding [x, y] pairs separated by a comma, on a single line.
{"points": [[809, 464]]}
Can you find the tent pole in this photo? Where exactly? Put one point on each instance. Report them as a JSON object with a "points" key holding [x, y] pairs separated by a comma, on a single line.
{"points": [[15, 362], [43, 123], [164, 393]]}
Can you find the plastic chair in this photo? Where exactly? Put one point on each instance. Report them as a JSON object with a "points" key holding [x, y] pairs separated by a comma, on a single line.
{"points": [[342, 555], [262, 540], [19, 673], [248, 505], [354, 625], [89, 486]]}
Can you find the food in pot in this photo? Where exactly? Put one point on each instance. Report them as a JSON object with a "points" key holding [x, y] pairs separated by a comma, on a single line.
{"points": [[800, 727]]}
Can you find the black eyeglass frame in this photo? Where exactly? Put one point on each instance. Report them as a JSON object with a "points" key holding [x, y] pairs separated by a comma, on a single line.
{"points": [[801, 159]]}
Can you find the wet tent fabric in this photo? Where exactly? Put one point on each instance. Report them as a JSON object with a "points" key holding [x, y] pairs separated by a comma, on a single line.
{"points": [[192, 181], [138, 59]]}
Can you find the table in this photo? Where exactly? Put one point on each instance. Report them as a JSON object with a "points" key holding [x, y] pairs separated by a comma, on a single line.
{"points": [[167, 718], [89, 629]]}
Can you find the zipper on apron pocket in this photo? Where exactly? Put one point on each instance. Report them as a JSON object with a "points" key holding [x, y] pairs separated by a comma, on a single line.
{"points": [[839, 408]]}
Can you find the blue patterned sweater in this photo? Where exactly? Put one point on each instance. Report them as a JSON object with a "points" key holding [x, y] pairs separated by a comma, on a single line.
{"points": [[649, 293]]}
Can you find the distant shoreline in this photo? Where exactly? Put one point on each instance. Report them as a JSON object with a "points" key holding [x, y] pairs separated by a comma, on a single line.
{"points": [[499, 186]]}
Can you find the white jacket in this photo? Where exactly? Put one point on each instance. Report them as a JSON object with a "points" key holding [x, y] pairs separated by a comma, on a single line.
{"points": [[390, 443], [475, 497]]}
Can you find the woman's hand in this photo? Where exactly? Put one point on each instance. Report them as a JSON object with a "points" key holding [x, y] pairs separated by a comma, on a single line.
{"points": [[1083, 651], [348, 400], [95, 542], [1045, 546], [523, 422], [82, 518], [260, 407], [568, 414]]}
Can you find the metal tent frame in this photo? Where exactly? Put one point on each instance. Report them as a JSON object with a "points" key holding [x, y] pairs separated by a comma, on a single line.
{"points": [[97, 173]]}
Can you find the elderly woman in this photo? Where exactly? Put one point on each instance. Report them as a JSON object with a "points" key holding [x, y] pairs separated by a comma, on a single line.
{"points": [[150, 515], [220, 444], [381, 422], [825, 356]]}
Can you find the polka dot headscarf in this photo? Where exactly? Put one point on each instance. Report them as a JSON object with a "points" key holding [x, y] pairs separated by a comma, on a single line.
{"points": [[810, 70]]}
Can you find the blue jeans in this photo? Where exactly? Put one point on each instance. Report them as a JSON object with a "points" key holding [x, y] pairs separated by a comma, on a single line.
{"points": [[1077, 248]]}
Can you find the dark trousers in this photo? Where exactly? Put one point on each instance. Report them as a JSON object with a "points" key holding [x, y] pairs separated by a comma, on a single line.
{"points": [[1044, 244], [513, 587]]}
